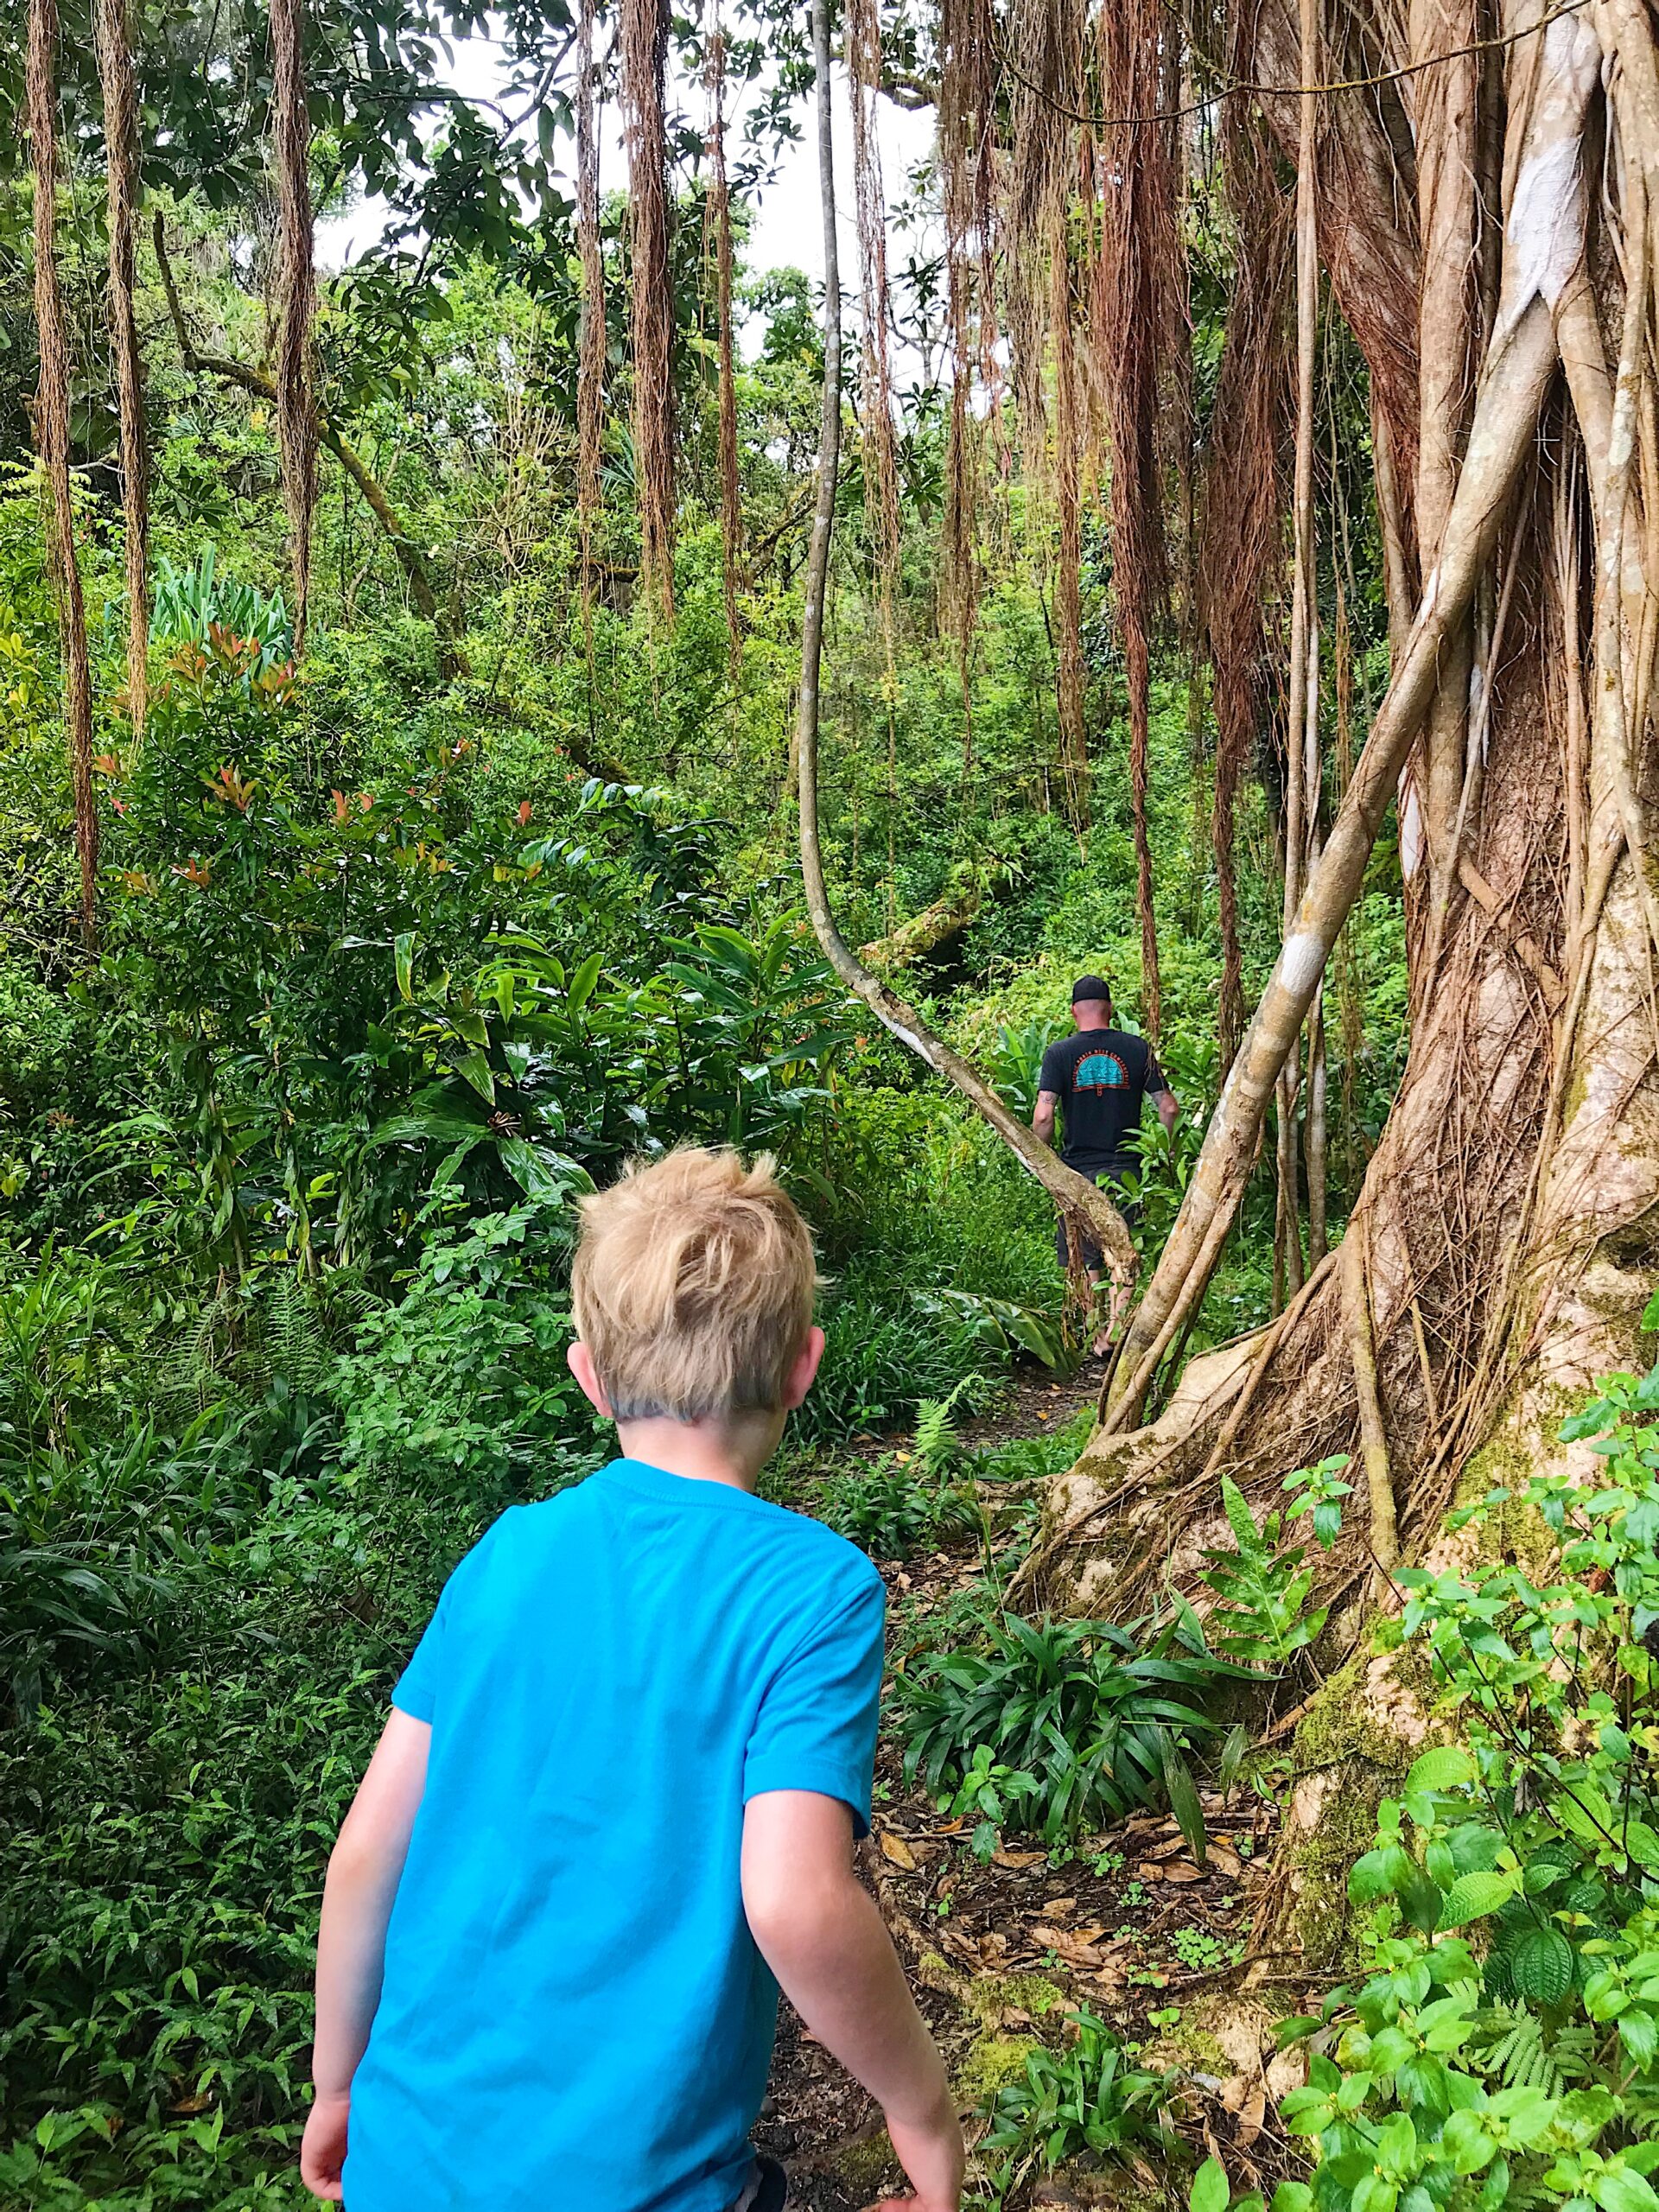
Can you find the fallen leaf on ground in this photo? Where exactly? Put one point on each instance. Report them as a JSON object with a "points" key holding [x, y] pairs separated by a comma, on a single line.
{"points": [[895, 1848], [1057, 1908], [1018, 1859], [1182, 1870]]}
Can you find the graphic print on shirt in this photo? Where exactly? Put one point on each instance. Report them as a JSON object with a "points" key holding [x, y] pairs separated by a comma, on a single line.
{"points": [[1100, 1071]]}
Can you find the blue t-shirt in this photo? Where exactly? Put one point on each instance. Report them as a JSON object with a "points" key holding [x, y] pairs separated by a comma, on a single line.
{"points": [[575, 2017]]}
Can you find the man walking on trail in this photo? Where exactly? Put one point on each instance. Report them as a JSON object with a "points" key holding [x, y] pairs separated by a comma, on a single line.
{"points": [[1098, 1078]]}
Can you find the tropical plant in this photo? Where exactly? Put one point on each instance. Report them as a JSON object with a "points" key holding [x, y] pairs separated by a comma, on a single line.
{"points": [[894, 1509], [1090, 2097], [1501, 2042], [1089, 1709], [202, 606], [1261, 1617]]}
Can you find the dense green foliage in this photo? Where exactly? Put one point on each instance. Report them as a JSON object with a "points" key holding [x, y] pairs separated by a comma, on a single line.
{"points": [[1498, 2041], [401, 949]]}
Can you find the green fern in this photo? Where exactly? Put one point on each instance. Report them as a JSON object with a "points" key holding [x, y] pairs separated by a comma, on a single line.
{"points": [[1524, 2055], [937, 1444], [191, 1372]]}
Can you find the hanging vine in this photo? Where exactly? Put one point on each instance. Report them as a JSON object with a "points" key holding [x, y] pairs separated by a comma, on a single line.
{"points": [[52, 441], [591, 348], [645, 25], [1139, 331], [719, 219], [1241, 533], [296, 395], [121, 151], [880, 454], [965, 103]]}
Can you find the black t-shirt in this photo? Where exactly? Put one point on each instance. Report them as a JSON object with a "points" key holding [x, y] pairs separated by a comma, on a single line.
{"points": [[1100, 1076]]}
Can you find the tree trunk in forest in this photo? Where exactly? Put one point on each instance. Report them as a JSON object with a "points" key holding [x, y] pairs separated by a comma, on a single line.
{"points": [[295, 379], [1508, 1215]]}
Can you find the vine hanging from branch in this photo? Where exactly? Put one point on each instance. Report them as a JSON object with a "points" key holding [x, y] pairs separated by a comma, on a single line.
{"points": [[1239, 549], [1081, 1202], [52, 441], [121, 147], [720, 219], [296, 397], [591, 349], [645, 25], [1140, 332]]}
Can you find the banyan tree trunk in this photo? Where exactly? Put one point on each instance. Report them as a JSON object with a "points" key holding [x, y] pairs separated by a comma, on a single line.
{"points": [[1509, 1218]]}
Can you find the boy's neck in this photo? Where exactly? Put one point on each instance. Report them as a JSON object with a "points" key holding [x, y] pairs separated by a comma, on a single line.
{"points": [[730, 1448]]}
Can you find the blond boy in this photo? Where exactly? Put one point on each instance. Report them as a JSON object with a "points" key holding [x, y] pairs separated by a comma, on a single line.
{"points": [[614, 1805]]}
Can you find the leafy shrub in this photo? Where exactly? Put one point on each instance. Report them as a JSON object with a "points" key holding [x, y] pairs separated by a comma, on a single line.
{"points": [[891, 1510], [462, 1385], [1087, 1708], [1501, 2044], [1034, 1458], [1089, 2097], [1262, 1617]]}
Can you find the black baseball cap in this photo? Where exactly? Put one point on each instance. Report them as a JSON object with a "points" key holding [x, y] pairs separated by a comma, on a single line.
{"points": [[1091, 986]]}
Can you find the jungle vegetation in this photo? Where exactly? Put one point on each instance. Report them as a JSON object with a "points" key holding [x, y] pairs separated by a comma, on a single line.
{"points": [[552, 688]]}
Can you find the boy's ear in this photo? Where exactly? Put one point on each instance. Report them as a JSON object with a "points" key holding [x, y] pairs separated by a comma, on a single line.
{"points": [[579, 1360], [803, 1374]]}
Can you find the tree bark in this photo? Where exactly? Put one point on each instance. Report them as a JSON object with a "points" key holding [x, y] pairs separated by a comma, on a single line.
{"points": [[1501, 1249]]}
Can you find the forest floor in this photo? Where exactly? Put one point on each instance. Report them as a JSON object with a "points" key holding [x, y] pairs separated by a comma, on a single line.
{"points": [[1124, 1924]]}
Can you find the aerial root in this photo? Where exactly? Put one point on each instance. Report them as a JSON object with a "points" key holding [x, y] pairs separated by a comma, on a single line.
{"points": [[1373, 1437]]}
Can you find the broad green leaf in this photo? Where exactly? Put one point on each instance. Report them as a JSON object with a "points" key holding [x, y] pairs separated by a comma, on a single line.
{"points": [[582, 981], [1210, 2190], [1542, 1965], [1466, 2141], [1472, 1897], [474, 1068], [1445, 1767], [1615, 2189], [1184, 1801]]}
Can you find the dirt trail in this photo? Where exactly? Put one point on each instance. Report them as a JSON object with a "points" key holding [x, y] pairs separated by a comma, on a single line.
{"points": [[1126, 1925]]}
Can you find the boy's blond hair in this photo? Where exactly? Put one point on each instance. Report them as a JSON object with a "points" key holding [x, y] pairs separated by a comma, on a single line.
{"points": [[693, 1285]]}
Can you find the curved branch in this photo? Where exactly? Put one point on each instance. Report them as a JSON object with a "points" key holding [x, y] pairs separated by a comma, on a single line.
{"points": [[1077, 1196]]}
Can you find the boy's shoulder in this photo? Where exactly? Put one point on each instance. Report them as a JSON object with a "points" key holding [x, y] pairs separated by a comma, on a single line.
{"points": [[525, 1530]]}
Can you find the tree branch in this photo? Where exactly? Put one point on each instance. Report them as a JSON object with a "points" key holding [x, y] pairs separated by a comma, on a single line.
{"points": [[255, 382]]}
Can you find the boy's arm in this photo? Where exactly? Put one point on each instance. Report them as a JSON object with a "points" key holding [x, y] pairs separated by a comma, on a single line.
{"points": [[822, 1935], [363, 1875]]}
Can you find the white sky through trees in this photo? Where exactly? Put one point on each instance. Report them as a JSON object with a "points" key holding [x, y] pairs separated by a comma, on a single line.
{"points": [[787, 229]]}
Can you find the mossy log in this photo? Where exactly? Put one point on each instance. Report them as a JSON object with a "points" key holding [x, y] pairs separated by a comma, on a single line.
{"points": [[936, 925]]}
